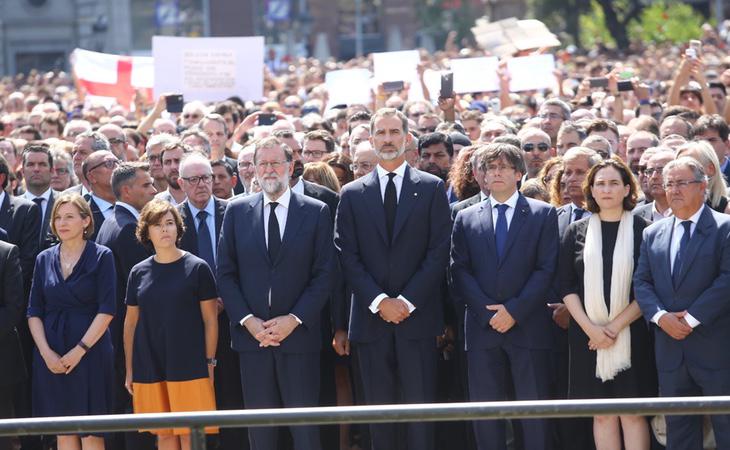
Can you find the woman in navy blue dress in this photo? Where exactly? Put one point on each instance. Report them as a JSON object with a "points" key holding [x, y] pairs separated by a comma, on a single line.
{"points": [[72, 302]]}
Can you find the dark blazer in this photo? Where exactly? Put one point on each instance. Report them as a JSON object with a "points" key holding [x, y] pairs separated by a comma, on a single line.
{"points": [[189, 240], [300, 279], [413, 266], [702, 291], [98, 218], [519, 281], [46, 238], [117, 233], [458, 206], [12, 312], [563, 218], [645, 211], [21, 219], [323, 194], [726, 171]]}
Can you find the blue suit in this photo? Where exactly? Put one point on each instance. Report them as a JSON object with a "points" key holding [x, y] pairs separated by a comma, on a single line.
{"points": [[298, 282], [397, 362], [700, 363], [520, 281]]}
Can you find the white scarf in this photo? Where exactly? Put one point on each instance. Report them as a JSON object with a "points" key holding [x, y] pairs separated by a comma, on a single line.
{"points": [[616, 358]]}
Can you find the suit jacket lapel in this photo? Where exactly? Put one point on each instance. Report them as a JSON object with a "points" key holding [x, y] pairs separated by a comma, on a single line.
{"points": [[408, 197], [6, 213], [564, 219], [258, 224], [190, 226], [487, 227], [704, 225], [374, 201], [220, 210], [522, 210], [663, 243], [294, 217]]}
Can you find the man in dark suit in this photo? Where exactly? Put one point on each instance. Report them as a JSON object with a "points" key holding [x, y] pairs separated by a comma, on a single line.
{"points": [[12, 312], [714, 130], [503, 258], [275, 272], [658, 208], [85, 144], [133, 188], [392, 231], [37, 168], [577, 161], [681, 284], [203, 218]]}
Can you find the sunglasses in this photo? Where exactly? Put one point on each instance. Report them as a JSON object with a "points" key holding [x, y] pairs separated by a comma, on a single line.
{"points": [[541, 146]]}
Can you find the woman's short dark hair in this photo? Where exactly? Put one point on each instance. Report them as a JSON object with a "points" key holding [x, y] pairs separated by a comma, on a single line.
{"points": [[626, 176], [152, 214]]}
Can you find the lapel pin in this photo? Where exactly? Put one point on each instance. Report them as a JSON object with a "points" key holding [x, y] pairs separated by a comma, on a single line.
{"points": [[415, 194]]}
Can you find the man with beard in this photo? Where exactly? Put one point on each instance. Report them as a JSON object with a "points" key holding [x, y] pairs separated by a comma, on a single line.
{"points": [[276, 268], [171, 156], [435, 153], [536, 149], [395, 267]]}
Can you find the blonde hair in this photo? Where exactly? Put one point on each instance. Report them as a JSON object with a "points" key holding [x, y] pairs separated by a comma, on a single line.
{"points": [[716, 188], [321, 173], [81, 205]]}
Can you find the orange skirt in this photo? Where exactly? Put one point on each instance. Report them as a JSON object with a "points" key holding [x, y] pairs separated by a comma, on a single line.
{"points": [[174, 396]]}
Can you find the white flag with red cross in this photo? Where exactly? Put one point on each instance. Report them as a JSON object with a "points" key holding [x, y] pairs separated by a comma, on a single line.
{"points": [[113, 76]]}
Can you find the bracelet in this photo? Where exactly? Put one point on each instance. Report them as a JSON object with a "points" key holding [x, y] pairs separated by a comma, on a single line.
{"points": [[83, 346], [211, 361]]}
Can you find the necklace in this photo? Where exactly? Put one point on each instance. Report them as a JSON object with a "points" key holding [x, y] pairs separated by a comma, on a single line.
{"points": [[68, 262]]}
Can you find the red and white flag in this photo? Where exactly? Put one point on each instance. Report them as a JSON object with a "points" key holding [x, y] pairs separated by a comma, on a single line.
{"points": [[113, 76]]}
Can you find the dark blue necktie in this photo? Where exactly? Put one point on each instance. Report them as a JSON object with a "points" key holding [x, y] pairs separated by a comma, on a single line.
{"points": [[39, 201], [500, 231], [679, 259], [390, 203], [205, 246], [578, 214], [274, 232]]}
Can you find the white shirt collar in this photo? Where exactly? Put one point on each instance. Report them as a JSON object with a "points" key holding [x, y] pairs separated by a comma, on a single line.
{"points": [[399, 171], [482, 196], [694, 219], [511, 202], [282, 201], [209, 208], [2, 196], [129, 208], [573, 207], [299, 187], [45, 196], [654, 211], [101, 203]]}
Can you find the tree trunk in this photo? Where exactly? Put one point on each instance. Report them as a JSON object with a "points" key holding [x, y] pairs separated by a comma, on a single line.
{"points": [[572, 21], [615, 27]]}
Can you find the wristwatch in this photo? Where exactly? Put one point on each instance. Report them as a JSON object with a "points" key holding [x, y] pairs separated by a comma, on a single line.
{"points": [[211, 361]]}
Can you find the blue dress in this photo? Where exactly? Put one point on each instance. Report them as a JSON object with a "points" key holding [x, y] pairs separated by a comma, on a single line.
{"points": [[67, 308]]}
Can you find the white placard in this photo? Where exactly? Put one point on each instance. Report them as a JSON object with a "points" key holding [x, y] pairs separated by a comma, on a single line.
{"points": [[475, 74], [348, 87], [209, 69], [531, 72], [399, 66]]}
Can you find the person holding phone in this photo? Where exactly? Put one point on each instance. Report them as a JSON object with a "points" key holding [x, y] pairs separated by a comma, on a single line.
{"points": [[689, 87]]}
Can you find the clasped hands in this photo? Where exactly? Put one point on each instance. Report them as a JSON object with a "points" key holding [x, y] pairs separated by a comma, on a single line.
{"points": [[271, 333], [601, 337], [675, 325], [393, 310], [502, 321], [63, 364]]}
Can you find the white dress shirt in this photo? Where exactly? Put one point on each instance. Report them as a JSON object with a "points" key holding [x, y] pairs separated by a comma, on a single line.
{"points": [[509, 214], [656, 215], [677, 233], [398, 181], [46, 196], [209, 220], [299, 187], [105, 207]]}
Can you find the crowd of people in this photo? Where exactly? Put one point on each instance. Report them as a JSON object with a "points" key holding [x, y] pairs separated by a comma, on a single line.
{"points": [[564, 244]]}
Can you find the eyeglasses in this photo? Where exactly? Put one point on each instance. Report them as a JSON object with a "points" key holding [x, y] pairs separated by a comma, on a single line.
{"points": [[427, 129], [291, 106], [640, 170], [550, 116], [116, 141], [192, 116], [363, 166], [276, 165], [543, 147], [313, 153], [153, 158], [245, 165], [651, 171], [669, 185], [109, 164], [197, 179], [498, 168]]}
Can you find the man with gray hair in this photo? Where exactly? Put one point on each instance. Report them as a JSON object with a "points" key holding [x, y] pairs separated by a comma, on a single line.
{"points": [[537, 148], [85, 144], [552, 113], [681, 284], [75, 127], [153, 150], [599, 144]]}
